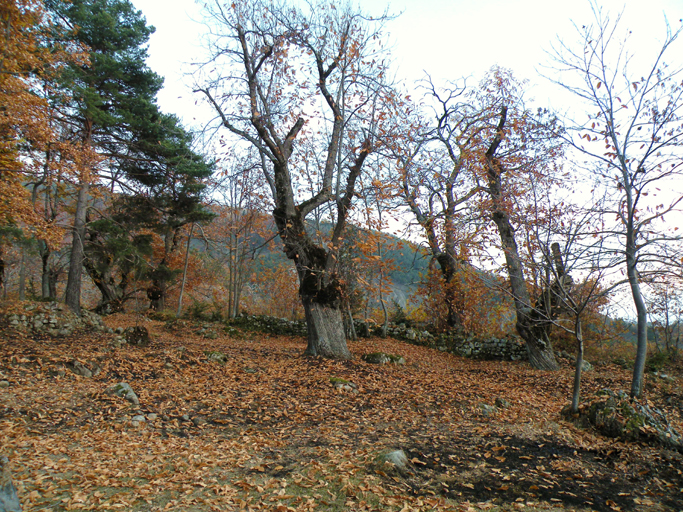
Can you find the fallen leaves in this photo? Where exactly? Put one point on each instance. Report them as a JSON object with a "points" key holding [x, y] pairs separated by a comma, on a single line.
{"points": [[280, 437]]}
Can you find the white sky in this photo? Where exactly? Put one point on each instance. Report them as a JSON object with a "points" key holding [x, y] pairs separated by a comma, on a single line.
{"points": [[449, 39]]}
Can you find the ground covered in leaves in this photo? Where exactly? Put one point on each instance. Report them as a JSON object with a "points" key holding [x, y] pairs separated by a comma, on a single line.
{"points": [[263, 428]]}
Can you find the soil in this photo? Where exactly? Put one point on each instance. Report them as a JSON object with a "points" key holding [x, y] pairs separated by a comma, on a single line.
{"points": [[266, 430]]}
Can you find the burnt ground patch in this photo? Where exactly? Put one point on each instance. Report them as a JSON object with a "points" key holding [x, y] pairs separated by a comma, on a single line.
{"points": [[501, 468]]}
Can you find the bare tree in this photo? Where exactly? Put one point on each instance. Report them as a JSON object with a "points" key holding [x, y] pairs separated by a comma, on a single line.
{"points": [[477, 165], [438, 182], [632, 140], [305, 87]]}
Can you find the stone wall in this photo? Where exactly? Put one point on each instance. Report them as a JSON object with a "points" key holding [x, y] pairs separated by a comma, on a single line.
{"points": [[508, 348], [52, 318]]}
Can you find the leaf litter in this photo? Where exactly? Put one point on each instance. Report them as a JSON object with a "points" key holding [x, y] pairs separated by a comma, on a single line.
{"points": [[263, 429]]}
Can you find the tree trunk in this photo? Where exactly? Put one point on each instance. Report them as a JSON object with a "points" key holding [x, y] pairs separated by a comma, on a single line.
{"points": [[349, 325], [73, 284], [579, 367], [326, 336], [22, 275], [157, 295], [448, 266], [112, 295], [531, 325], [641, 311], [45, 274]]}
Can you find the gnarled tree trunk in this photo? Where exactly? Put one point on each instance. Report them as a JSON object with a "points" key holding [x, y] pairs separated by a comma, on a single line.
{"points": [[531, 325]]}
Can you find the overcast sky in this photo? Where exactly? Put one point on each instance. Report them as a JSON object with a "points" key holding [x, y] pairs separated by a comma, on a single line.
{"points": [[449, 39]]}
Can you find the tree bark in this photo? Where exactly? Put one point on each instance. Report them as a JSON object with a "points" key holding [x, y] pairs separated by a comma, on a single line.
{"points": [[579, 367], [73, 285], [641, 311], [113, 295], [531, 325], [448, 266], [22, 275], [326, 336]]}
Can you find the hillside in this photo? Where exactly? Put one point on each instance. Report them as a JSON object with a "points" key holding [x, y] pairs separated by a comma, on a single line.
{"points": [[266, 430]]}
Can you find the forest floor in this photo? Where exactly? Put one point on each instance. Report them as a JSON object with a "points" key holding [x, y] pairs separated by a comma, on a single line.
{"points": [[266, 430]]}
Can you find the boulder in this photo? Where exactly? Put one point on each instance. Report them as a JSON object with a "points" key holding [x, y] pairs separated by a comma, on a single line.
{"points": [[620, 416], [124, 390], [9, 501], [343, 384], [138, 335], [394, 460], [215, 356], [383, 358]]}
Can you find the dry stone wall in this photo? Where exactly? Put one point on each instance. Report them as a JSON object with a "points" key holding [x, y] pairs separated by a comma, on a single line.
{"points": [[52, 318]]}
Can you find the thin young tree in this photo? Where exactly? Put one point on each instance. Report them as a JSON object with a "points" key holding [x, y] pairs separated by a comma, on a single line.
{"points": [[631, 140], [303, 85]]}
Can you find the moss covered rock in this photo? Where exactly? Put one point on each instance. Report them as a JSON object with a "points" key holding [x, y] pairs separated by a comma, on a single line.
{"points": [[615, 414]]}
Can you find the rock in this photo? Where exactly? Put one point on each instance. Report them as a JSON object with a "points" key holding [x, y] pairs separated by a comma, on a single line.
{"points": [[502, 403], [151, 416], [663, 376], [343, 385], [185, 417], [124, 390], [137, 336], [215, 356], [199, 420], [4, 384], [618, 415], [395, 459], [487, 410], [9, 501], [79, 368], [139, 418], [383, 358]]}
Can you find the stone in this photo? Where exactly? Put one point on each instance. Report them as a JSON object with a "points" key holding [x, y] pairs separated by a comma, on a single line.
{"points": [[139, 417], [343, 385], [502, 403], [124, 390], [620, 416], [215, 356], [137, 336], [199, 420], [395, 459], [487, 410], [185, 417], [79, 368], [152, 416], [4, 384], [9, 501], [382, 358]]}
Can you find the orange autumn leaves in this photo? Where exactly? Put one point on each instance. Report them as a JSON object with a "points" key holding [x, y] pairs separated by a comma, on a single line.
{"points": [[29, 64]]}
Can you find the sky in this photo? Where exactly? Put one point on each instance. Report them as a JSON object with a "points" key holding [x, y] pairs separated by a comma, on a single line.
{"points": [[449, 39]]}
